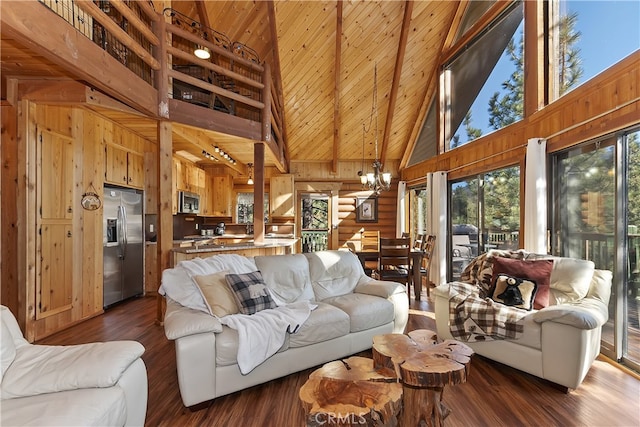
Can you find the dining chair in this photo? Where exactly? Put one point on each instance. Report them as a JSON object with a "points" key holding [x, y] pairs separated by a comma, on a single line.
{"points": [[427, 253], [394, 260], [369, 242], [419, 242]]}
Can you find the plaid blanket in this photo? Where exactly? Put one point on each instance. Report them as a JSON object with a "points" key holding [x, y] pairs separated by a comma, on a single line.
{"points": [[472, 318]]}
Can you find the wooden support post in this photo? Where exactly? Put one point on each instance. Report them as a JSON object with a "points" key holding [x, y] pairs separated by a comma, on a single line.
{"points": [[258, 193], [165, 213]]}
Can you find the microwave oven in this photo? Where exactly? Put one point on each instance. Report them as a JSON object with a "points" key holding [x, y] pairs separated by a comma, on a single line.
{"points": [[188, 202]]}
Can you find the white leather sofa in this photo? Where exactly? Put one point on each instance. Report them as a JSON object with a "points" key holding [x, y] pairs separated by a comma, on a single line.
{"points": [[559, 342], [351, 309], [97, 384]]}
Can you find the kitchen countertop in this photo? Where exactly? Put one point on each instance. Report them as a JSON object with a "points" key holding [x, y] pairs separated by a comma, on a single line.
{"points": [[268, 243]]}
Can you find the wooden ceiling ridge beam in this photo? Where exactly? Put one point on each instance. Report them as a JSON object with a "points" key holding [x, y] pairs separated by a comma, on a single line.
{"points": [[277, 80], [397, 75], [337, 118]]}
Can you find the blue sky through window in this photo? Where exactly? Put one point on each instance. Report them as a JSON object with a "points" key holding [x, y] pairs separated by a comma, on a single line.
{"points": [[610, 31]]}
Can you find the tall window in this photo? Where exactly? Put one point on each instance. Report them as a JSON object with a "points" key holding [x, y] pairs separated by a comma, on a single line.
{"points": [[596, 216], [244, 203], [418, 211], [586, 37], [485, 214], [484, 85]]}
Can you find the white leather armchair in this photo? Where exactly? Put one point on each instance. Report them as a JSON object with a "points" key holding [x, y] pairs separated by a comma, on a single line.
{"points": [[101, 384]]}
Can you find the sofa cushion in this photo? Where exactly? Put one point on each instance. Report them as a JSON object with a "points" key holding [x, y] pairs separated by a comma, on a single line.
{"points": [[325, 322], [537, 271], [365, 311], [217, 295], [178, 285], [287, 277], [514, 291], [333, 273], [227, 346], [600, 287], [570, 279], [480, 271], [250, 292], [39, 369], [86, 407]]}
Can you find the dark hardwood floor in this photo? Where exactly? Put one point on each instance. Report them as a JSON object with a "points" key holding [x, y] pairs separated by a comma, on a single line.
{"points": [[494, 395]]}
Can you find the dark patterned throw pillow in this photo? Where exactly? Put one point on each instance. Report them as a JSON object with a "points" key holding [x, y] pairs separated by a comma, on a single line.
{"points": [[250, 292], [514, 291]]}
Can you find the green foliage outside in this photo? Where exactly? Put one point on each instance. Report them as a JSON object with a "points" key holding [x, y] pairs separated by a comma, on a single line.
{"points": [[500, 190]]}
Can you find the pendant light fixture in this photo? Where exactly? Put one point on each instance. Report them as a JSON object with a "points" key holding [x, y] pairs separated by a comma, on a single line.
{"points": [[376, 181], [250, 180]]}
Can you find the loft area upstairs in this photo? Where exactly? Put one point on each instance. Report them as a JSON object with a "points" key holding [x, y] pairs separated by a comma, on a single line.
{"points": [[144, 59]]}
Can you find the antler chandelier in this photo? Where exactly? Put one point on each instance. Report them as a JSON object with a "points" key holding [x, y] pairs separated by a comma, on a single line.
{"points": [[376, 181]]}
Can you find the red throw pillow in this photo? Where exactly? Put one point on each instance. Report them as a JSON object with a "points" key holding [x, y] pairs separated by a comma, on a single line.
{"points": [[539, 271]]}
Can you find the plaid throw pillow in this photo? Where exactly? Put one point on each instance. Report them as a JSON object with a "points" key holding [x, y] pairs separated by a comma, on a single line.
{"points": [[250, 292]]}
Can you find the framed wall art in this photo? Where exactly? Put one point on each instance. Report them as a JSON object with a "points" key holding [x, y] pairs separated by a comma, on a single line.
{"points": [[366, 209]]}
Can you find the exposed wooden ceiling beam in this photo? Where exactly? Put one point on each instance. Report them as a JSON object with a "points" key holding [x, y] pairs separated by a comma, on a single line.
{"points": [[203, 17], [336, 89], [397, 74]]}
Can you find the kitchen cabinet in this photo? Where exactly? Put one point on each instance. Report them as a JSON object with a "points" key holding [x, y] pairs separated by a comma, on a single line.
{"points": [[281, 196], [206, 198], [188, 177], [123, 167], [221, 203]]}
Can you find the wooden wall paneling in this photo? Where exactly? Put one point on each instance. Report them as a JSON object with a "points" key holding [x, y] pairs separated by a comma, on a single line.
{"points": [[92, 166], [348, 229], [9, 292], [347, 170]]}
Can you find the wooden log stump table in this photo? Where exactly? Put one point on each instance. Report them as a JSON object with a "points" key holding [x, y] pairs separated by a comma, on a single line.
{"points": [[424, 366], [350, 392]]}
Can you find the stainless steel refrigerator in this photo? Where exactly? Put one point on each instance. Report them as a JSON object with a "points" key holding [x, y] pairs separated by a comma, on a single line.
{"points": [[123, 244]]}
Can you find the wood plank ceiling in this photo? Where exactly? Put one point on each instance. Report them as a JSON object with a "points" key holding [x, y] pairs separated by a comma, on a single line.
{"points": [[326, 106]]}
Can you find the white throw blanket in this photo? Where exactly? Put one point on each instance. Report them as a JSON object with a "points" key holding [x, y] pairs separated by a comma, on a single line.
{"points": [[262, 334]]}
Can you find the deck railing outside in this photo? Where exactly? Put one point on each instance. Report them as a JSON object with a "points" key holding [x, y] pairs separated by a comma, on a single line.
{"points": [[316, 240]]}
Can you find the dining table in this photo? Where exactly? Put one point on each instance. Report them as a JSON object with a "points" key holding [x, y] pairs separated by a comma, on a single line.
{"points": [[415, 259]]}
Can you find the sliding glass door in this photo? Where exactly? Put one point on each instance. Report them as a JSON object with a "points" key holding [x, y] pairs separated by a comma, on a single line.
{"points": [[483, 216], [596, 216]]}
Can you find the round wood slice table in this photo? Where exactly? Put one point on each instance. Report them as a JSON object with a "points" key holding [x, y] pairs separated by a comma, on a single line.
{"points": [[350, 392], [424, 366]]}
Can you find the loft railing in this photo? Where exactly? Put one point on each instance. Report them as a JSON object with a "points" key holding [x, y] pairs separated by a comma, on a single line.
{"points": [[232, 80], [123, 29]]}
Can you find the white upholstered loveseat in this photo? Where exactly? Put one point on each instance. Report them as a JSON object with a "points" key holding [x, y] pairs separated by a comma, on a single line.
{"points": [[349, 309], [96, 384], [558, 342]]}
